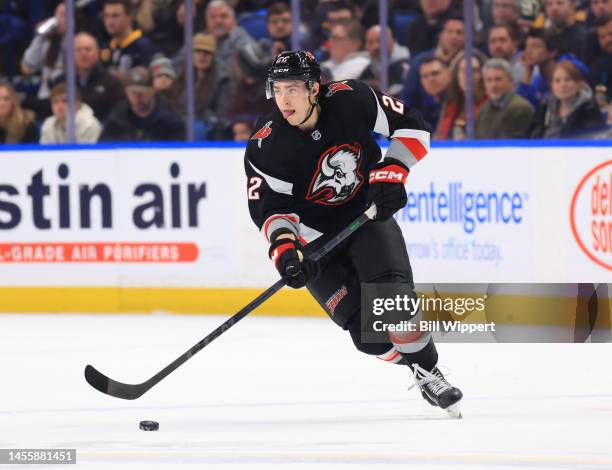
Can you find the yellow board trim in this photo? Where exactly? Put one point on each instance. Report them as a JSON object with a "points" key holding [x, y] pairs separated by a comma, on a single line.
{"points": [[145, 300], [502, 309]]}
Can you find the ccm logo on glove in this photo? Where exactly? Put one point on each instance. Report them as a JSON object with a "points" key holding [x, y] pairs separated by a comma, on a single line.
{"points": [[389, 174]]}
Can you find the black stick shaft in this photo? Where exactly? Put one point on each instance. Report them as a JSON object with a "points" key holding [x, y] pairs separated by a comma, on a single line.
{"points": [[132, 391]]}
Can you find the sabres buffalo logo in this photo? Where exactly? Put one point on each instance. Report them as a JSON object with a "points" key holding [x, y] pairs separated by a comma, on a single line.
{"points": [[337, 86], [338, 177]]}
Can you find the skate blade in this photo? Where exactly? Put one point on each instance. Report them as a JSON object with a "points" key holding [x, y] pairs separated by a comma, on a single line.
{"points": [[454, 411]]}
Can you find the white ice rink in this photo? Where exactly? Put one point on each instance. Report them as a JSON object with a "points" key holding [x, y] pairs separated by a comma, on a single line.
{"points": [[277, 393]]}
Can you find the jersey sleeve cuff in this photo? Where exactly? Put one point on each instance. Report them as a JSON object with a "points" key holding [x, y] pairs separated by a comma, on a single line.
{"points": [[408, 146], [290, 222]]}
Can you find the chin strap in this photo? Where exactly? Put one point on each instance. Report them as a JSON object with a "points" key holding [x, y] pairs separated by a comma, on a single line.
{"points": [[312, 108]]}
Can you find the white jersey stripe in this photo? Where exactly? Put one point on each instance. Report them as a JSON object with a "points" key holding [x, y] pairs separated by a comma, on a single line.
{"points": [[275, 184], [382, 123], [309, 234]]}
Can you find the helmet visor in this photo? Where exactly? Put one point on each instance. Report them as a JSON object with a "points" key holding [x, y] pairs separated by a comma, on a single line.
{"points": [[287, 87]]}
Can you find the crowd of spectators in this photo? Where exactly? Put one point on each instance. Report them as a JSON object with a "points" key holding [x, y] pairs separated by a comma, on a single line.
{"points": [[540, 68]]}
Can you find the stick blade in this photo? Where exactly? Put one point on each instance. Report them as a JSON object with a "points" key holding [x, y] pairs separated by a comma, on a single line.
{"points": [[108, 386]]}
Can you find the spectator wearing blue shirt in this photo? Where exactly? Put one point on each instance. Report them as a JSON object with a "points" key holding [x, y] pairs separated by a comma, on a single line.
{"points": [[435, 79], [538, 60]]}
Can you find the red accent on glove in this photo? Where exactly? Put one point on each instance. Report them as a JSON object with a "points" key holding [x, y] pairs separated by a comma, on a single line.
{"points": [[280, 249], [389, 174]]}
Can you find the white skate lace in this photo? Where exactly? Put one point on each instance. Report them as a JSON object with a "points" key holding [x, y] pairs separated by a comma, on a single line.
{"points": [[423, 377]]}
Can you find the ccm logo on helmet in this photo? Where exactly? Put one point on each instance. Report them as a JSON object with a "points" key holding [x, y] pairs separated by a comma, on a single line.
{"points": [[389, 174]]}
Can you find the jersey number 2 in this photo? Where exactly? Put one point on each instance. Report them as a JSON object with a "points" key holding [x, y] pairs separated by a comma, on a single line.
{"points": [[395, 105], [254, 184]]}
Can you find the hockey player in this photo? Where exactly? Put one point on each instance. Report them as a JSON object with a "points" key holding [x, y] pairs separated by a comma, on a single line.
{"points": [[312, 167]]}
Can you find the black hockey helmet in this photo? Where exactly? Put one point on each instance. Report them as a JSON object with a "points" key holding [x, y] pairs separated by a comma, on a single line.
{"points": [[293, 65]]}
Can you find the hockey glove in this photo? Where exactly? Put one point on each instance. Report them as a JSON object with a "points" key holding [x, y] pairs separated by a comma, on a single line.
{"points": [[291, 264], [386, 188]]}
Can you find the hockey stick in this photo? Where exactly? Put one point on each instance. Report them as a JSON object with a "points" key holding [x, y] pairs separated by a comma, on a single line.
{"points": [[104, 384]]}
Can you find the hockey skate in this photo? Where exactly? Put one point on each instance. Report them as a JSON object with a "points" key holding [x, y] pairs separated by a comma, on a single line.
{"points": [[437, 391]]}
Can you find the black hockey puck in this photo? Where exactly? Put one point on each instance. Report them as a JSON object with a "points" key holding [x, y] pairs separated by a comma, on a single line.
{"points": [[149, 425]]}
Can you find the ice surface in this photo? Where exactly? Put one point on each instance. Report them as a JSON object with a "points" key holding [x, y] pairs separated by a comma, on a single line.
{"points": [[294, 393]]}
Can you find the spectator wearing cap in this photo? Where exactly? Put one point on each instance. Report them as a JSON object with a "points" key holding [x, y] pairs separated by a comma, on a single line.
{"points": [[55, 130], [128, 47], [571, 108], [347, 58], [221, 24], [398, 57], [98, 87], [45, 54], [143, 116], [601, 70], [17, 125], [505, 114], [212, 89], [164, 75]]}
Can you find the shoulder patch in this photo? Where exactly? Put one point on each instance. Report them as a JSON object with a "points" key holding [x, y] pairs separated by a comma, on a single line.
{"points": [[337, 86], [262, 133]]}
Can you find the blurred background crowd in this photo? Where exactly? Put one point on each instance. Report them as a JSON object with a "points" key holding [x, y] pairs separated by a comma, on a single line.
{"points": [[540, 68]]}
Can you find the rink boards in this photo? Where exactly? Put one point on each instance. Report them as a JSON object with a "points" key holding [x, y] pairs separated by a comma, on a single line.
{"points": [[143, 229]]}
